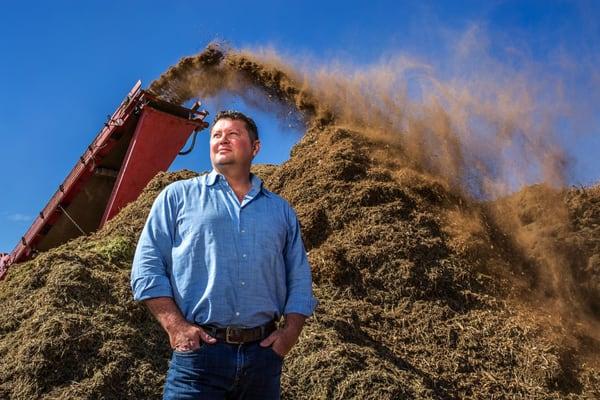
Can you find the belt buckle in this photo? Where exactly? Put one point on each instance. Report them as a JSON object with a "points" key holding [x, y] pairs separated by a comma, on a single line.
{"points": [[227, 333]]}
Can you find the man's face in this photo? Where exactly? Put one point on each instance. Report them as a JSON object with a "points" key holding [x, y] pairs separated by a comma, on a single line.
{"points": [[230, 143]]}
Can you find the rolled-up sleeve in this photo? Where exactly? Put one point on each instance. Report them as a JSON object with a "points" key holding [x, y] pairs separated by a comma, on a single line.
{"points": [[152, 260], [300, 297]]}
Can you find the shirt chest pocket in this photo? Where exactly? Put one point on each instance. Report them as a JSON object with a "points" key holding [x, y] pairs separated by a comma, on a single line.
{"points": [[204, 226]]}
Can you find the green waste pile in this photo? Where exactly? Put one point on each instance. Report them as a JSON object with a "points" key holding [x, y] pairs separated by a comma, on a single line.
{"points": [[422, 294]]}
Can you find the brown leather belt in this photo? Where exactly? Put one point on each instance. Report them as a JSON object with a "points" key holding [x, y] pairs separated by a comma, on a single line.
{"points": [[236, 335]]}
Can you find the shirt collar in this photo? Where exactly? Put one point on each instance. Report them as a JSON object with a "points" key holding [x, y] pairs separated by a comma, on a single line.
{"points": [[256, 182], [212, 177]]}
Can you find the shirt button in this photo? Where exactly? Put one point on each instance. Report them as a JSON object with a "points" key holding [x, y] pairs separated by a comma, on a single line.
{"points": [[243, 255], [237, 314], [243, 231], [243, 283]]}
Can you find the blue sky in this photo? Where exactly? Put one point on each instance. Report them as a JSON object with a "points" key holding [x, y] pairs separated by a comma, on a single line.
{"points": [[67, 64]]}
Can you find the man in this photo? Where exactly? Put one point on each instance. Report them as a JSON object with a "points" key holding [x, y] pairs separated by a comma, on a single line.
{"points": [[219, 261]]}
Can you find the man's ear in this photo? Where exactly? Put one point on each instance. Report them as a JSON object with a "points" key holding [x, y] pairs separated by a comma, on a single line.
{"points": [[255, 148]]}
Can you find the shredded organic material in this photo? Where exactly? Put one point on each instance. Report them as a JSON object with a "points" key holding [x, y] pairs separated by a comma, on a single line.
{"points": [[425, 292]]}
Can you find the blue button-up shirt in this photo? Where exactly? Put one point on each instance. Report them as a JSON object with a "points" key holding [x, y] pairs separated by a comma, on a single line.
{"points": [[223, 262]]}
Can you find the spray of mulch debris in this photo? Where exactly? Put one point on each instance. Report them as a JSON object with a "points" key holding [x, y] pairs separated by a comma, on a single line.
{"points": [[424, 292]]}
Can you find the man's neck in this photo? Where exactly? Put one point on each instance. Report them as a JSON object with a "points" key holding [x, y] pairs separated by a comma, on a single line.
{"points": [[238, 178]]}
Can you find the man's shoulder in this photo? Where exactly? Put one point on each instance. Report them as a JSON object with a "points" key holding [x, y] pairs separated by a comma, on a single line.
{"points": [[279, 202], [182, 186], [275, 197]]}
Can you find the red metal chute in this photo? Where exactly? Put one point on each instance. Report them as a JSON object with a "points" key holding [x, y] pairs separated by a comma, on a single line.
{"points": [[141, 138]]}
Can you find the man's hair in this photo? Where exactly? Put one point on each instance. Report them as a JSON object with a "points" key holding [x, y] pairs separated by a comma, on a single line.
{"points": [[236, 115]]}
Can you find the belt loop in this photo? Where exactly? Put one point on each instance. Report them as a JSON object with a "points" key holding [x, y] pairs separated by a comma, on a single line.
{"points": [[212, 331]]}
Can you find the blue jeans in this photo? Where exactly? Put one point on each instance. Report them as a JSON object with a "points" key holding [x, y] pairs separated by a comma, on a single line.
{"points": [[224, 371]]}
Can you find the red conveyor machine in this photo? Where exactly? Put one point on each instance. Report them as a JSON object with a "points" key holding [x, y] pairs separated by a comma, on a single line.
{"points": [[141, 138]]}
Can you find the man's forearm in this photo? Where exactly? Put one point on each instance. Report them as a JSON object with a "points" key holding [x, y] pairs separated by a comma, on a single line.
{"points": [[294, 322], [284, 338], [183, 335], [166, 312]]}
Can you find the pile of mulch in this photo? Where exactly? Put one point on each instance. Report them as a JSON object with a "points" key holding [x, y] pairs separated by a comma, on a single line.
{"points": [[68, 327], [421, 289], [403, 313]]}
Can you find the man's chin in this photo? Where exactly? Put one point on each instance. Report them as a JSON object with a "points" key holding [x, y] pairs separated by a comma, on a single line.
{"points": [[224, 160]]}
